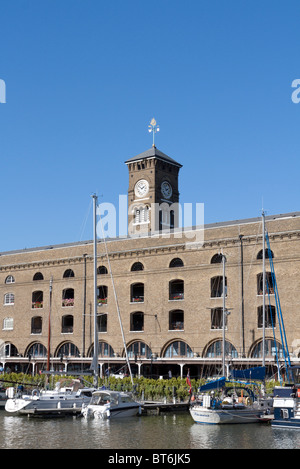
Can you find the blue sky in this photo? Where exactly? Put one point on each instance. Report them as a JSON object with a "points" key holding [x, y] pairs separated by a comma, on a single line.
{"points": [[85, 77]]}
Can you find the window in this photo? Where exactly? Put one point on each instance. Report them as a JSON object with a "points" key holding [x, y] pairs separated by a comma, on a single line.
{"points": [[137, 321], [269, 284], [217, 318], [9, 279], [68, 350], [176, 320], [271, 349], [216, 287], [102, 322], [141, 214], [36, 325], [176, 290], [178, 348], [102, 295], [137, 266], [68, 273], [268, 254], [37, 299], [8, 324], [176, 263], [216, 259], [37, 350], [139, 349], [9, 299], [38, 276], [8, 350], [270, 316], [216, 350], [137, 293], [102, 270], [67, 323], [68, 297], [105, 350]]}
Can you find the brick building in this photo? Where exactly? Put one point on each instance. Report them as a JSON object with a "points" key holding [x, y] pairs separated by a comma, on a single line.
{"points": [[170, 292]]}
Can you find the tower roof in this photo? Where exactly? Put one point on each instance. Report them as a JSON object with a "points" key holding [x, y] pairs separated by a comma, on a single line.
{"points": [[153, 152]]}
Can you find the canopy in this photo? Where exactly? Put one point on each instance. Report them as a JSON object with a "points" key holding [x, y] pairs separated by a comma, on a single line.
{"points": [[258, 372], [216, 384]]}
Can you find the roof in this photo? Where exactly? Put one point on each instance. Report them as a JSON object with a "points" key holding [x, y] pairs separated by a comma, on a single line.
{"points": [[153, 152]]}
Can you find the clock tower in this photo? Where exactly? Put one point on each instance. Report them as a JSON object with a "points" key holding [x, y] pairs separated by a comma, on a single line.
{"points": [[153, 195]]}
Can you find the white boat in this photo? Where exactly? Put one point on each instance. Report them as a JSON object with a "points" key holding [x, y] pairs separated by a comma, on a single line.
{"points": [[66, 398], [242, 406], [3, 397], [107, 404]]}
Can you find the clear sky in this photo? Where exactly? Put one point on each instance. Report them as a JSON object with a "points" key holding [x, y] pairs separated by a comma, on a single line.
{"points": [[85, 77]]}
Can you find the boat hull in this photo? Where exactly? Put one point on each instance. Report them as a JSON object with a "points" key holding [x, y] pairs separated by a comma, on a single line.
{"points": [[204, 415], [103, 412]]}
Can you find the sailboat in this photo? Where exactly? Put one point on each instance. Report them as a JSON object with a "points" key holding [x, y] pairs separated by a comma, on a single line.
{"points": [[105, 403], [220, 404]]}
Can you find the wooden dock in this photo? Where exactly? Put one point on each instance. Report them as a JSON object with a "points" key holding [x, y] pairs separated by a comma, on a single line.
{"points": [[155, 408]]}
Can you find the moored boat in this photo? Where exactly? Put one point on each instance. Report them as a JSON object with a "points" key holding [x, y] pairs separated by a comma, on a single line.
{"points": [[107, 404], [67, 398]]}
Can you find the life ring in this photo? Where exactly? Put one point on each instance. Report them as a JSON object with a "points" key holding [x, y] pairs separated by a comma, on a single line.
{"points": [[298, 392], [248, 401]]}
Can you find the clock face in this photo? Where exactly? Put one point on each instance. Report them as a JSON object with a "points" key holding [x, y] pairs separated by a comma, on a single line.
{"points": [[141, 188], [166, 189]]}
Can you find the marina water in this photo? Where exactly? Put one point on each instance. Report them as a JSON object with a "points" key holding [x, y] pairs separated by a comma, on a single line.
{"points": [[166, 431]]}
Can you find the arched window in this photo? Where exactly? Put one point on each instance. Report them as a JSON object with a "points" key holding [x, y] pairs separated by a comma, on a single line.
{"points": [[216, 287], [37, 299], [270, 316], [102, 292], [176, 290], [176, 262], [137, 321], [68, 297], [8, 350], [216, 349], [216, 259], [36, 350], [268, 254], [9, 279], [178, 348], [139, 349], [38, 276], [36, 325], [69, 273], [67, 323], [68, 349], [137, 266], [9, 299], [137, 293], [105, 350], [271, 348], [102, 270]]}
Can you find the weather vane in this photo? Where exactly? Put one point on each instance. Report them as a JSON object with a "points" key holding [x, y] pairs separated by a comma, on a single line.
{"points": [[153, 128]]}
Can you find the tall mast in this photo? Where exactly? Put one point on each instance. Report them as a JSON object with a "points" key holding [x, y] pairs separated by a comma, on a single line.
{"points": [[264, 287], [49, 324], [95, 358], [224, 313]]}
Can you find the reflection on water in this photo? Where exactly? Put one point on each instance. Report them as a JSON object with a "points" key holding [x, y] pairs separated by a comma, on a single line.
{"points": [[169, 431]]}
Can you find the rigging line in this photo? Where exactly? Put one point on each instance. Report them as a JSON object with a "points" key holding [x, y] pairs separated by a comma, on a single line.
{"points": [[116, 299], [84, 223], [259, 229]]}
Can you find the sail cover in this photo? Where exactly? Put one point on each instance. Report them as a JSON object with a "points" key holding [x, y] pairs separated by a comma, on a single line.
{"points": [[258, 372], [216, 384]]}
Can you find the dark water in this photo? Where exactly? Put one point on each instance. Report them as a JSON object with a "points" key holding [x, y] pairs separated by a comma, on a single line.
{"points": [[168, 432]]}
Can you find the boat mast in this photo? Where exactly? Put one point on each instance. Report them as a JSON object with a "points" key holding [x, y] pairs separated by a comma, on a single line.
{"points": [[264, 286], [95, 358], [49, 324], [224, 313]]}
